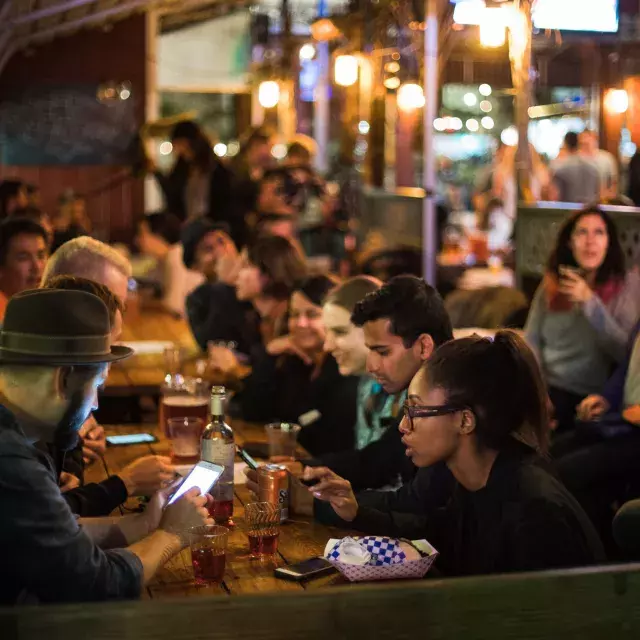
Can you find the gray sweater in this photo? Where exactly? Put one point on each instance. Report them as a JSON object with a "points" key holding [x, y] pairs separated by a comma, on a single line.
{"points": [[578, 349]]}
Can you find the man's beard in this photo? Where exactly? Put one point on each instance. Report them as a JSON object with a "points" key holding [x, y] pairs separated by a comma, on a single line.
{"points": [[66, 434]]}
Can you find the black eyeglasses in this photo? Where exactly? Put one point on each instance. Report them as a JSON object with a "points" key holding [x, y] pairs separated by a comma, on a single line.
{"points": [[412, 411]]}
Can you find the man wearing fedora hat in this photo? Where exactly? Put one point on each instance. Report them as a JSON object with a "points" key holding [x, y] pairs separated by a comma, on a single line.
{"points": [[55, 349]]}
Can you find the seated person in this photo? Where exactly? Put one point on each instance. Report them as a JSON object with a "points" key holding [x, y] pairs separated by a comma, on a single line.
{"points": [[267, 273], [46, 396], [598, 460], [39, 217], [23, 255], [583, 312], [403, 322], [142, 477], [159, 237], [296, 381], [483, 495], [376, 410]]}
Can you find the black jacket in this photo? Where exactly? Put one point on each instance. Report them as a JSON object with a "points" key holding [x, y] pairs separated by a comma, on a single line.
{"points": [[524, 519], [282, 388], [215, 313], [222, 207]]}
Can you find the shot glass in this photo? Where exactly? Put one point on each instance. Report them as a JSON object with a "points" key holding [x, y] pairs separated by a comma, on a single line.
{"points": [[263, 528], [282, 438], [208, 553]]}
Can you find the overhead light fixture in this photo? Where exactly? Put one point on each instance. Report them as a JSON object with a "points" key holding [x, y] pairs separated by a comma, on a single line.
{"points": [[307, 51], [616, 101], [485, 90], [346, 70], [269, 94], [410, 97], [470, 99], [493, 27]]}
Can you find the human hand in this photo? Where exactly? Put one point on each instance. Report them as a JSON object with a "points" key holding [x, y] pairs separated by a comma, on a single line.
{"points": [[282, 345], [592, 408], [148, 474], [68, 481], [574, 286], [333, 489], [187, 512], [94, 440], [222, 359], [227, 267]]}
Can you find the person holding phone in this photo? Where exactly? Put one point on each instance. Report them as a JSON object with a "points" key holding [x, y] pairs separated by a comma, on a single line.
{"points": [[583, 312], [46, 394], [484, 495]]}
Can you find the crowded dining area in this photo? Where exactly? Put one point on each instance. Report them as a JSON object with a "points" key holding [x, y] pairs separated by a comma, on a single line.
{"points": [[319, 318]]}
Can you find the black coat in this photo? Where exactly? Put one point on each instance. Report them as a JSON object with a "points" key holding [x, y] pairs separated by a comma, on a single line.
{"points": [[283, 389], [524, 519]]}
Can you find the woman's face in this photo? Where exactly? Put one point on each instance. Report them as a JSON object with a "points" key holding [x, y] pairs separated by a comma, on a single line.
{"points": [[306, 327], [344, 341], [590, 242], [434, 439], [250, 280]]}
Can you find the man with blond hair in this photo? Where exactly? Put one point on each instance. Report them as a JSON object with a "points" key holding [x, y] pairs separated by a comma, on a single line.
{"points": [[89, 258], [85, 257]]}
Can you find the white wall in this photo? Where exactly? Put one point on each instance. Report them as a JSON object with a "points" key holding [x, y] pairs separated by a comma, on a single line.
{"points": [[211, 56]]}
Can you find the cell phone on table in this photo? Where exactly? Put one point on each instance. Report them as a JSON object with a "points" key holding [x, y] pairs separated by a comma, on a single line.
{"points": [[204, 476], [306, 570], [251, 463], [131, 438]]}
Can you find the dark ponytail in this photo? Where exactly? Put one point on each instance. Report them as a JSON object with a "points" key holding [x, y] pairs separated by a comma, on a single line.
{"points": [[500, 381]]}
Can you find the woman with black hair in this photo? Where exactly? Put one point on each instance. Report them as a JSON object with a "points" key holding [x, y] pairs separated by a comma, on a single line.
{"points": [[296, 381], [476, 426], [583, 312], [198, 184]]}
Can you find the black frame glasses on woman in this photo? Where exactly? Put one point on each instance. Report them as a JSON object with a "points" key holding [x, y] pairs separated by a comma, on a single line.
{"points": [[412, 411]]}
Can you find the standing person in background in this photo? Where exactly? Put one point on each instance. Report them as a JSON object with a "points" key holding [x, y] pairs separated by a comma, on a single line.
{"points": [[583, 312], [71, 219], [13, 195], [605, 163], [249, 167], [574, 178], [199, 184], [23, 255]]}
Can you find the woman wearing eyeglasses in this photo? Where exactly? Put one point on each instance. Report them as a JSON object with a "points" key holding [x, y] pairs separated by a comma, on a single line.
{"points": [[475, 424]]}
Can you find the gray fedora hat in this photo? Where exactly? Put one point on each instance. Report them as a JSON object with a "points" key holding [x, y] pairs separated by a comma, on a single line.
{"points": [[57, 327]]}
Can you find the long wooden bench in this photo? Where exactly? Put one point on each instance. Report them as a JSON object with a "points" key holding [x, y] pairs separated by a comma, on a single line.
{"points": [[600, 603]]}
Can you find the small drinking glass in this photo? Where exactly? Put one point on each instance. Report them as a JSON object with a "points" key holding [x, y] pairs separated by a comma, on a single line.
{"points": [[208, 553], [263, 528], [184, 434], [282, 438]]}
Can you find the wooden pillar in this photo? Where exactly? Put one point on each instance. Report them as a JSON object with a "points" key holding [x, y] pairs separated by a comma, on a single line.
{"points": [[406, 131], [632, 85]]}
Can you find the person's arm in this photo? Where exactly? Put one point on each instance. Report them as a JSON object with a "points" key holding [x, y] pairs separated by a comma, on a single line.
{"points": [[97, 499], [407, 512], [377, 465], [614, 326], [533, 326]]}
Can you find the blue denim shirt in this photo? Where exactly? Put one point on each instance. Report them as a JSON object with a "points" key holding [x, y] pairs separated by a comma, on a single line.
{"points": [[46, 555]]}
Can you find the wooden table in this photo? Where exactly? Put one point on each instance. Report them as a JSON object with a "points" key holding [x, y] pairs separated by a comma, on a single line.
{"points": [[300, 538], [143, 374]]}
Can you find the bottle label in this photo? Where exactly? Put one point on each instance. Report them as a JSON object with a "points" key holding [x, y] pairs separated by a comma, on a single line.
{"points": [[220, 452]]}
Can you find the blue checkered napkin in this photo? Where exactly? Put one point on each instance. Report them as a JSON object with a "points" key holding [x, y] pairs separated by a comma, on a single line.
{"points": [[384, 551]]}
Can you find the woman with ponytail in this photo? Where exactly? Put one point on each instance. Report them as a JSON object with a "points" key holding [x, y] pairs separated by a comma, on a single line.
{"points": [[583, 312], [476, 425]]}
